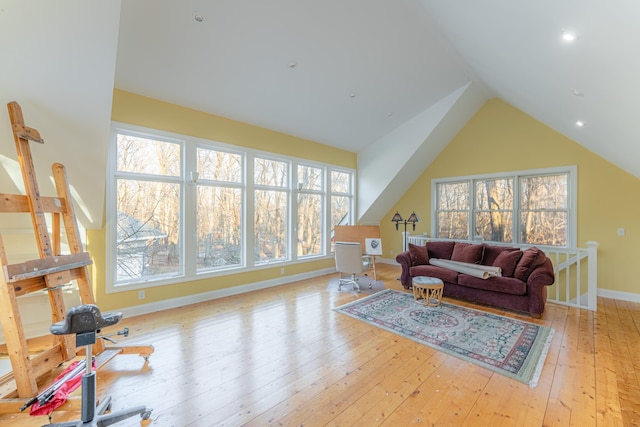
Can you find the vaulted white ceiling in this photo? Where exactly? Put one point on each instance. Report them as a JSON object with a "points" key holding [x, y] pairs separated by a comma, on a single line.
{"points": [[351, 74]]}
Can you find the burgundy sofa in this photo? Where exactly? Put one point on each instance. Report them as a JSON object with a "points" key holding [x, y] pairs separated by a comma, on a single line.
{"points": [[522, 286]]}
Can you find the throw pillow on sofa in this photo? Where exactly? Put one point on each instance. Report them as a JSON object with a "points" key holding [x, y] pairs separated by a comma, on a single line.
{"points": [[507, 261], [419, 254], [531, 259], [467, 252], [440, 250], [491, 253]]}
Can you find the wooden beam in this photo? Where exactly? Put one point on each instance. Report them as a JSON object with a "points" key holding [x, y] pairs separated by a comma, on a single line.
{"points": [[45, 266], [18, 203], [30, 182]]}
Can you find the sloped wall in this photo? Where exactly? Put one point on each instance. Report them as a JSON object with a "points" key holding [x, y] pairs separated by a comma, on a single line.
{"points": [[501, 138]]}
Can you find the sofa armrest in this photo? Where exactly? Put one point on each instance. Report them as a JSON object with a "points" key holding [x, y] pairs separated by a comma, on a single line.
{"points": [[404, 259], [541, 277]]}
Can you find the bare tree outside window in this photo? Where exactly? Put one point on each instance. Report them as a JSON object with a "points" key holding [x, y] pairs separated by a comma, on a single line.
{"points": [[341, 200], [219, 209], [453, 210], [544, 210], [239, 208], [310, 201], [148, 240], [271, 210], [536, 211], [494, 209]]}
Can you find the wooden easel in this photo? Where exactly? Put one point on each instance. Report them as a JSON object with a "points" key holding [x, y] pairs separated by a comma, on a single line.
{"points": [[50, 272]]}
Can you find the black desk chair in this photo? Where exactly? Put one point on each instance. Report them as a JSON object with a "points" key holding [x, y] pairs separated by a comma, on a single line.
{"points": [[86, 321]]}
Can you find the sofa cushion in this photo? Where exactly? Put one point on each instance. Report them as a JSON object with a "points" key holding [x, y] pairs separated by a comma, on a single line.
{"points": [[443, 274], [442, 250], [491, 253], [507, 261], [505, 285], [531, 258], [467, 252], [419, 254]]}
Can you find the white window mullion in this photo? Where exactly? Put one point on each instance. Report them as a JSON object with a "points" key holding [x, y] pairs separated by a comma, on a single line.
{"points": [[249, 217], [189, 209], [293, 211]]}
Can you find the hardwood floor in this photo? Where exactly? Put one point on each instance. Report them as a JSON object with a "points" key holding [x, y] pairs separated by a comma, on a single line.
{"points": [[283, 357]]}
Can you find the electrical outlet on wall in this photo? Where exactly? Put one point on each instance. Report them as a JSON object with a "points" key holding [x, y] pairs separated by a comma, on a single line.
{"points": [[141, 295]]}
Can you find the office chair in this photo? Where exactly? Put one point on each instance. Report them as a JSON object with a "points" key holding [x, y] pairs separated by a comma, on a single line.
{"points": [[85, 321], [349, 260]]}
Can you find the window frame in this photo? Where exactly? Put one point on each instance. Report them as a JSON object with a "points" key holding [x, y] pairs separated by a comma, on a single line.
{"points": [[571, 209], [188, 207], [241, 185]]}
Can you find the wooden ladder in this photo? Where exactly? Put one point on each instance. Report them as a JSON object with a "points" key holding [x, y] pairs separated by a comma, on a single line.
{"points": [[48, 273]]}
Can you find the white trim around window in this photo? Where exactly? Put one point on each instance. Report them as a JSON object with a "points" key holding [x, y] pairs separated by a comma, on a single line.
{"points": [[188, 249], [471, 211]]}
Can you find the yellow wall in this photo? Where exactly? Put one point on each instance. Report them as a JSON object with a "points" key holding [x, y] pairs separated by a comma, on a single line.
{"points": [[154, 114], [146, 112], [501, 138]]}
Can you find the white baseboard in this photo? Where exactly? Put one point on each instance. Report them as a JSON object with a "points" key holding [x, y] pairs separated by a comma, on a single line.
{"points": [[37, 318], [624, 296], [220, 293]]}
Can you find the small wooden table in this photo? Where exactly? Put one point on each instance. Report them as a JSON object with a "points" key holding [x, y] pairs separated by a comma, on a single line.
{"points": [[428, 289]]}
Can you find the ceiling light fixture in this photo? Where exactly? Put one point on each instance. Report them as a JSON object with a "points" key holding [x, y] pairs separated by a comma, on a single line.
{"points": [[198, 18], [576, 92], [569, 36], [580, 123], [352, 95], [292, 64]]}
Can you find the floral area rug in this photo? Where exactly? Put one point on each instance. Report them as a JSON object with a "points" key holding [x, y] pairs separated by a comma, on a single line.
{"points": [[511, 347]]}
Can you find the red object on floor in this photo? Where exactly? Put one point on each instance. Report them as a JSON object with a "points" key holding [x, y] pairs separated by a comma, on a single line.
{"points": [[62, 393]]}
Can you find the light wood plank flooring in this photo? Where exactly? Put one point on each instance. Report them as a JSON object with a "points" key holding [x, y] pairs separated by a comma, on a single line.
{"points": [[283, 357]]}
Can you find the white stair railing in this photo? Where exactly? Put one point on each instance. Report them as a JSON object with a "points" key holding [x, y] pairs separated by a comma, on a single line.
{"points": [[575, 269]]}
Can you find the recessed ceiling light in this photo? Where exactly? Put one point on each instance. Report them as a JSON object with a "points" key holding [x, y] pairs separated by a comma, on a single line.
{"points": [[389, 114], [580, 123], [352, 95], [576, 92], [292, 64], [198, 18], [569, 36]]}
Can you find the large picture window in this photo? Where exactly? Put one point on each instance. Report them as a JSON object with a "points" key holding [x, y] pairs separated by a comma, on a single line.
{"points": [[271, 210], [341, 200], [530, 207], [147, 209], [219, 207], [180, 208], [310, 207]]}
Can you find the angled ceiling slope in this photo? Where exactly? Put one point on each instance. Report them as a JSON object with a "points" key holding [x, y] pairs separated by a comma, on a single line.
{"points": [[59, 66], [517, 49], [340, 73], [388, 167]]}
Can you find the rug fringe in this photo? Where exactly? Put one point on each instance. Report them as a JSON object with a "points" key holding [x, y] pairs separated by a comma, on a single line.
{"points": [[543, 356]]}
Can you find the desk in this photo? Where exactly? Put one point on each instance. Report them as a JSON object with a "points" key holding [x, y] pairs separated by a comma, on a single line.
{"points": [[359, 233]]}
